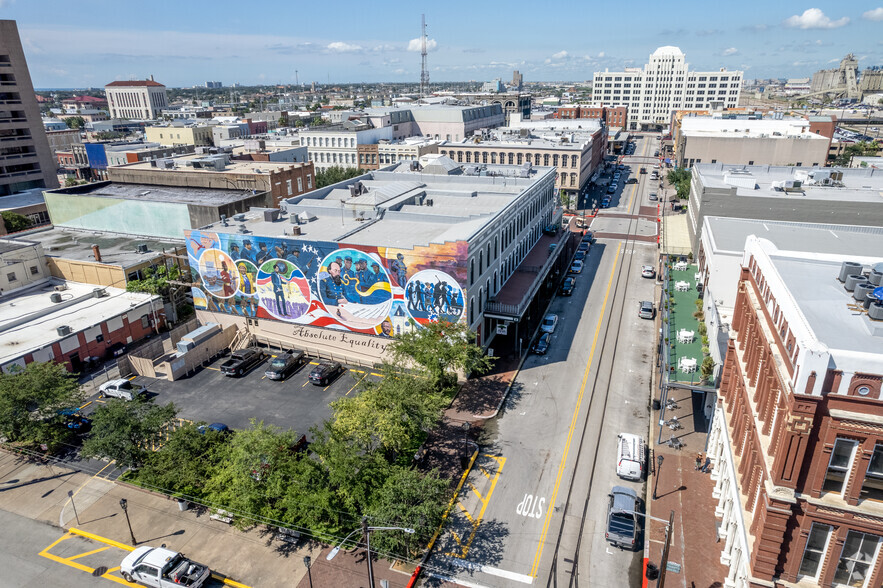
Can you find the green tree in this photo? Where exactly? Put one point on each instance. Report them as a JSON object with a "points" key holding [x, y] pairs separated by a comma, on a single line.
{"points": [[334, 174], [75, 122], [389, 413], [407, 499], [127, 431], [255, 470], [680, 179], [856, 150], [155, 281], [70, 182], [15, 222], [440, 350], [184, 463], [30, 399]]}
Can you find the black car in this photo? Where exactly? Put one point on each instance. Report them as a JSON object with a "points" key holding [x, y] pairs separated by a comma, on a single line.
{"points": [[326, 371], [285, 364], [588, 237], [583, 246], [567, 286], [241, 361], [542, 344], [580, 256]]}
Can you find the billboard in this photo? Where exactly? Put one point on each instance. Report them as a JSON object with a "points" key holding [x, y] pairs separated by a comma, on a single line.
{"points": [[363, 289]]}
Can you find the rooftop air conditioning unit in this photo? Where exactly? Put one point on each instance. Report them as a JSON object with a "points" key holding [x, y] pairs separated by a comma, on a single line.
{"points": [[63, 330], [99, 292], [61, 287], [142, 248]]}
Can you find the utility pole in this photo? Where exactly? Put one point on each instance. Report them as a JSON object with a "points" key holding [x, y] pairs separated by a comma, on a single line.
{"points": [[664, 563], [296, 81], [367, 534], [424, 73]]}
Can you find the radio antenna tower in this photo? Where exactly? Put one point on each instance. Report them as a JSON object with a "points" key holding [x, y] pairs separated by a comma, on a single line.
{"points": [[424, 73]]}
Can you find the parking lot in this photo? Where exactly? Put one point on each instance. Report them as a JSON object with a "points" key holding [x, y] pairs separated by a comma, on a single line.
{"points": [[293, 403]]}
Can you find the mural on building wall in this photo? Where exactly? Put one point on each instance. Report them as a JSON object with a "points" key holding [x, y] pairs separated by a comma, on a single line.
{"points": [[372, 290]]}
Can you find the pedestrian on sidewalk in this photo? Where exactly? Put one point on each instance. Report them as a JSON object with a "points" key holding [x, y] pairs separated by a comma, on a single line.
{"points": [[699, 461], [706, 465]]}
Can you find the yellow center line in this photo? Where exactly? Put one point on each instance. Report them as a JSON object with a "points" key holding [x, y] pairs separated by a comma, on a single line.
{"points": [[635, 187], [573, 420]]}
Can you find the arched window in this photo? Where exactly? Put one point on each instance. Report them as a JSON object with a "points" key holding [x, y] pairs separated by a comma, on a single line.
{"points": [[472, 310]]}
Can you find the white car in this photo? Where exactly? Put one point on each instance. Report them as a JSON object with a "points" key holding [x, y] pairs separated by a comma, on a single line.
{"points": [[120, 389], [647, 271], [576, 267], [549, 323]]}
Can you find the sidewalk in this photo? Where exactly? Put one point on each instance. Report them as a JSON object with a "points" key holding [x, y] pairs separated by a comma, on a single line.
{"points": [[687, 492]]}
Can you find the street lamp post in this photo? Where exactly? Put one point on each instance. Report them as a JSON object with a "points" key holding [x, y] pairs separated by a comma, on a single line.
{"points": [[659, 460], [124, 504], [366, 531], [465, 426], [307, 562]]}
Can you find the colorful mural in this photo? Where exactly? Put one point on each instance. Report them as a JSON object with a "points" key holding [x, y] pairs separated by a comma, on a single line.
{"points": [[372, 290]]}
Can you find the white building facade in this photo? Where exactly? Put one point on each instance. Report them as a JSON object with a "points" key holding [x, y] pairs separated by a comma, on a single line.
{"points": [[337, 146], [665, 84], [141, 99]]}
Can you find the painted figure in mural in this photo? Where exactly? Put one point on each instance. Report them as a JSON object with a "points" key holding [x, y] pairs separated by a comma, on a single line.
{"points": [[248, 254], [278, 288], [333, 287], [365, 282], [386, 328], [350, 280], [399, 268], [226, 280], [294, 257], [234, 252], [262, 254]]}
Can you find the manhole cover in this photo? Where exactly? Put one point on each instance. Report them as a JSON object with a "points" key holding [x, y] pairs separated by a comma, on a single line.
{"points": [[99, 571]]}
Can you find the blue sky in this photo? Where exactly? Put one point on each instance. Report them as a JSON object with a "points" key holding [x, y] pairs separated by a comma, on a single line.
{"points": [[183, 43]]}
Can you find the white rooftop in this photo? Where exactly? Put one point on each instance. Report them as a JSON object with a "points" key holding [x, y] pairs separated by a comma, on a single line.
{"points": [[28, 321], [706, 126]]}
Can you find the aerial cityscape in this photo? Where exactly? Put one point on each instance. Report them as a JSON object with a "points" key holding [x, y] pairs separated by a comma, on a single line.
{"points": [[574, 295]]}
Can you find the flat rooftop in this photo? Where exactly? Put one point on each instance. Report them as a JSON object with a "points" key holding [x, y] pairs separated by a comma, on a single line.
{"points": [[151, 193], [729, 234], [398, 208], [234, 167], [115, 249], [790, 128], [28, 321], [858, 185], [829, 310]]}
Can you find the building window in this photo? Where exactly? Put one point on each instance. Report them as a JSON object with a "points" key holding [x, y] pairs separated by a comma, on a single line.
{"points": [[288, 186], [11, 276], [34, 270], [309, 181], [300, 185], [856, 559], [872, 488], [145, 321], [839, 465], [814, 553]]}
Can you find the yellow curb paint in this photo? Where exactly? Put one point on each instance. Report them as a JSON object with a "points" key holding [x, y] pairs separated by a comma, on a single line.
{"points": [[100, 539]]}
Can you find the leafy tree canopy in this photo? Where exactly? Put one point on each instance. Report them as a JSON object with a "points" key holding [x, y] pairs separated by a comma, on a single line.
{"points": [[75, 122], [185, 462], [335, 174], [127, 431], [155, 281], [680, 179], [15, 222]]}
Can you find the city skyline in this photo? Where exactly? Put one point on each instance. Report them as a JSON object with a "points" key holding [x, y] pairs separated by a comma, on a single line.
{"points": [[184, 45]]}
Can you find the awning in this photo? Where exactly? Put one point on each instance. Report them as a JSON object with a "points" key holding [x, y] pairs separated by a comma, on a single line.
{"points": [[675, 235]]}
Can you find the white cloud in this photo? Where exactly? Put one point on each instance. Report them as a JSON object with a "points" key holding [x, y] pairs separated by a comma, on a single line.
{"points": [[416, 45], [601, 54], [729, 51], [876, 14], [814, 18], [341, 47], [561, 55]]}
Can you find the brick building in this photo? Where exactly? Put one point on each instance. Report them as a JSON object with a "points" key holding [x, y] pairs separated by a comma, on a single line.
{"points": [[797, 434], [613, 116]]}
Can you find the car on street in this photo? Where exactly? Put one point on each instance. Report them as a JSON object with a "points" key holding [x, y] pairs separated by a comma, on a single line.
{"points": [[242, 360], [576, 267], [567, 286], [589, 237], [121, 388], [549, 323], [654, 197], [163, 568], [648, 271], [605, 203], [632, 181], [580, 256], [622, 522], [643, 170], [583, 246], [325, 372], [646, 310], [285, 364], [217, 427], [542, 344], [611, 189]]}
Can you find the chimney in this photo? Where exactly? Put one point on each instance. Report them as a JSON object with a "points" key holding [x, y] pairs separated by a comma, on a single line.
{"points": [[97, 253], [151, 77]]}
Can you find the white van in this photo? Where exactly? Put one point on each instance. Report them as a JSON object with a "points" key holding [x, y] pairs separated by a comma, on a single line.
{"points": [[630, 456]]}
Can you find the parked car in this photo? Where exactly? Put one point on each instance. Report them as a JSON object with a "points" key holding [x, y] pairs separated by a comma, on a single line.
{"points": [[120, 389], [567, 286], [285, 364], [646, 310], [648, 271], [325, 372], [576, 267], [542, 344], [589, 237], [583, 246], [654, 197], [622, 522], [611, 189], [580, 256], [549, 323], [217, 427], [163, 568], [605, 202], [241, 361]]}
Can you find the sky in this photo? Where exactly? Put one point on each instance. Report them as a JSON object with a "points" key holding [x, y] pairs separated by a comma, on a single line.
{"points": [[90, 43]]}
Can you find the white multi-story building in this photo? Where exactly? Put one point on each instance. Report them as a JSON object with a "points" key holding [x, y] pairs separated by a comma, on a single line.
{"points": [[139, 99], [665, 84], [336, 145]]}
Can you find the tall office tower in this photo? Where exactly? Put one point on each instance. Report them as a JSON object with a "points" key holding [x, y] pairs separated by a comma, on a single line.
{"points": [[26, 161]]}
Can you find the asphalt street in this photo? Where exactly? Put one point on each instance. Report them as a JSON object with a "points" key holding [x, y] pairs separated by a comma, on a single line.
{"points": [[520, 514]]}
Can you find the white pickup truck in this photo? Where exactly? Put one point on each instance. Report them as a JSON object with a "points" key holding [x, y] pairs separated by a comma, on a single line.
{"points": [[163, 568]]}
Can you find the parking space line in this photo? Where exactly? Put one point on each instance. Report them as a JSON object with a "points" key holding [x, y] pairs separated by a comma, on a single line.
{"points": [[208, 367], [99, 538], [484, 500], [356, 384], [85, 405], [79, 555], [305, 383]]}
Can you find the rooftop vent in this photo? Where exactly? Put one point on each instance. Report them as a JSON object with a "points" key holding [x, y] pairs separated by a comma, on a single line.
{"points": [[239, 217], [55, 297], [853, 280], [142, 248], [849, 268]]}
